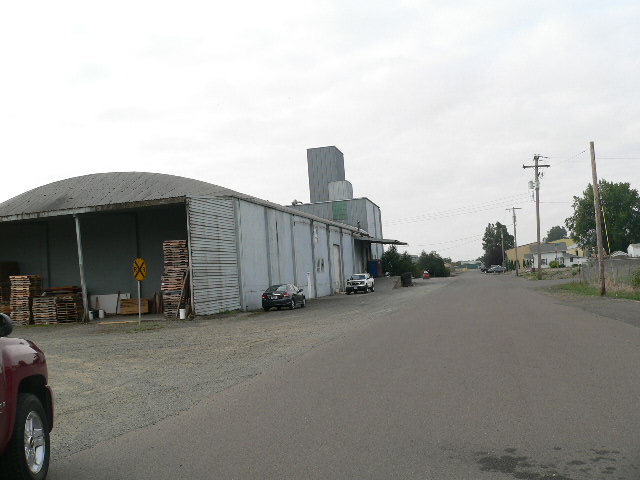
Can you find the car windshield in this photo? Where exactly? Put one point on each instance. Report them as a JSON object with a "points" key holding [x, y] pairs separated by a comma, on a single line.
{"points": [[277, 288], [358, 277]]}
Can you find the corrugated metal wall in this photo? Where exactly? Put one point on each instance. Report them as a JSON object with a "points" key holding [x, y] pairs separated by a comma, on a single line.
{"points": [[280, 246], [374, 228], [303, 253], [347, 255], [254, 256], [324, 165], [361, 212], [266, 246], [321, 257], [337, 276], [213, 255]]}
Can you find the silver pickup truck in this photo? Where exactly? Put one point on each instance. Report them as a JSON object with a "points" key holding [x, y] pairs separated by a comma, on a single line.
{"points": [[360, 282]]}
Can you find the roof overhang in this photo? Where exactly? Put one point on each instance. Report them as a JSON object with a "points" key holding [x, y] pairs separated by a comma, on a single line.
{"points": [[387, 241], [91, 209]]}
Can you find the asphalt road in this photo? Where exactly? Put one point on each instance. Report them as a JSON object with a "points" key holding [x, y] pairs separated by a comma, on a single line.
{"points": [[482, 378]]}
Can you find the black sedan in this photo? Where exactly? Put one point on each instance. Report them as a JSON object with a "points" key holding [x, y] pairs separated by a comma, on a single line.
{"points": [[284, 295]]}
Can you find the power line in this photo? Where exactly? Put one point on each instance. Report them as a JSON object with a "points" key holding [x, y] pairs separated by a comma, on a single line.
{"points": [[568, 159], [493, 204], [457, 239]]}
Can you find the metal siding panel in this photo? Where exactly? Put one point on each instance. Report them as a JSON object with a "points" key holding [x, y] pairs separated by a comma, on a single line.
{"points": [[253, 253], [323, 280], [324, 165], [285, 248], [336, 263], [271, 231], [303, 251], [213, 255], [378, 233], [347, 254]]}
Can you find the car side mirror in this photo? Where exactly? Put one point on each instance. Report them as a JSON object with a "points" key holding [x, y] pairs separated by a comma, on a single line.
{"points": [[6, 326]]}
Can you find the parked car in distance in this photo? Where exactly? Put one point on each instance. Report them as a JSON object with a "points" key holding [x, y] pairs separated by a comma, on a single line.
{"points": [[26, 408], [496, 269], [283, 295], [426, 275], [360, 282]]}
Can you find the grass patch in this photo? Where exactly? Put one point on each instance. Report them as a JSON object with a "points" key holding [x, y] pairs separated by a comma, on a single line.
{"points": [[586, 289], [146, 328], [552, 274]]}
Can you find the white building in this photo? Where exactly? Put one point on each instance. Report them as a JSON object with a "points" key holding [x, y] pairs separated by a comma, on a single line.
{"points": [[634, 250], [559, 252]]}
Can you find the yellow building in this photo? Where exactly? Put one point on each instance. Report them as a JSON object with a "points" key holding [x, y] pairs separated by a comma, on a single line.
{"points": [[525, 250]]}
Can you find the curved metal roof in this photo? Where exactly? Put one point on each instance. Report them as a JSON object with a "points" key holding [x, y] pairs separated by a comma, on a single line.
{"points": [[108, 190], [122, 190]]}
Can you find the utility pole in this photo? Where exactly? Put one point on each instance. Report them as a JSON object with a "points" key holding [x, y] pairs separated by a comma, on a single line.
{"points": [[537, 166], [502, 236], [515, 235], [596, 203]]}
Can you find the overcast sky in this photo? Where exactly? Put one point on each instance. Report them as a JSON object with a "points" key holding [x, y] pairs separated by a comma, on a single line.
{"points": [[436, 105]]}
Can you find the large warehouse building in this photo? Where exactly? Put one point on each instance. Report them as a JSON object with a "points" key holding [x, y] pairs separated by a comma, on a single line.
{"points": [[89, 229]]}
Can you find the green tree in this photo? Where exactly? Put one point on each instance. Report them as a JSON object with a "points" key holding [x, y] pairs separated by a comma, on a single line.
{"points": [[390, 260], [492, 243], [556, 233], [621, 205], [396, 263], [434, 263]]}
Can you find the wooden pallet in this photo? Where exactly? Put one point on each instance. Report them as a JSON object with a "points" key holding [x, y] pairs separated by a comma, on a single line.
{"points": [[129, 306]]}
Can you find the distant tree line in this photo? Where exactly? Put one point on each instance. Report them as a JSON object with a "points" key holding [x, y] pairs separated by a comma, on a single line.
{"points": [[620, 218], [398, 263]]}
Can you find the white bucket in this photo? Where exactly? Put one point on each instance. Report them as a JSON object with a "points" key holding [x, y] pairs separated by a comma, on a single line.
{"points": [[183, 313], [90, 314], [100, 313]]}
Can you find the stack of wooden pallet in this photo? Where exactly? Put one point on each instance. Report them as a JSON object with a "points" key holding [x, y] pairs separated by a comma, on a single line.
{"points": [[60, 304], [23, 289], [44, 310], [69, 307], [176, 266]]}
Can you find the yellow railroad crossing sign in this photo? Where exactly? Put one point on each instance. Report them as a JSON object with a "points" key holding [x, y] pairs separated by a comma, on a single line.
{"points": [[139, 269]]}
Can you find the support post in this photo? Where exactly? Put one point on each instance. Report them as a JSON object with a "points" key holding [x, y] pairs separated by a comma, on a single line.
{"points": [[596, 204], [83, 283], [515, 235], [140, 305], [537, 166]]}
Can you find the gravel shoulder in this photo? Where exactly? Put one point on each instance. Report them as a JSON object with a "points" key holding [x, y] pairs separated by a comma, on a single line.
{"points": [[111, 379], [623, 310]]}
